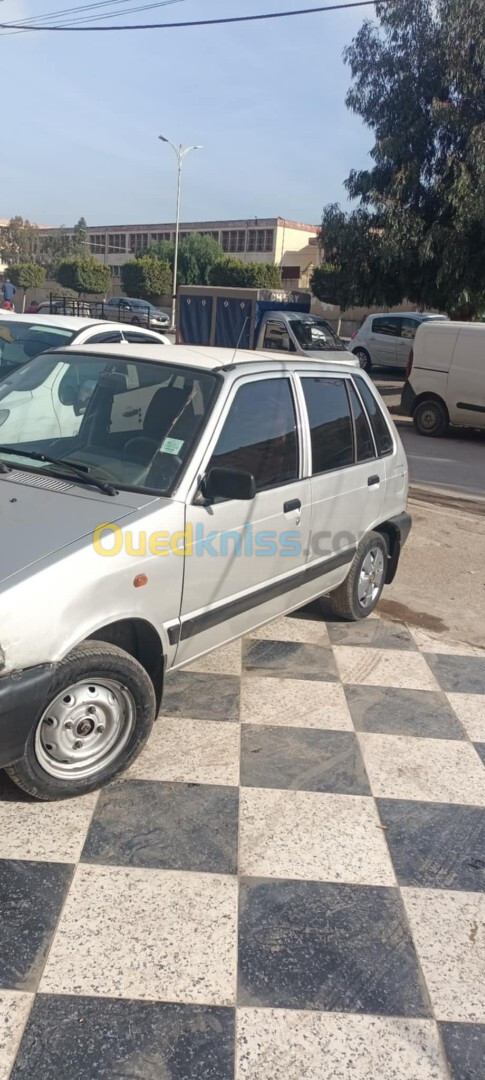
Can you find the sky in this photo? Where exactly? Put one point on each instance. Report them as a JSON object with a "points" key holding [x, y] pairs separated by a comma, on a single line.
{"points": [[82, 112]]}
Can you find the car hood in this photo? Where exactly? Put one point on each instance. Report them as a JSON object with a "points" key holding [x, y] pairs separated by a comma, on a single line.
{"points": [[41, 514]]}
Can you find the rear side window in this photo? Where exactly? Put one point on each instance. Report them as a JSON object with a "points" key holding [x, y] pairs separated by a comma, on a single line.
{"points": [[363, 435], [330, 424], [381, 431]]}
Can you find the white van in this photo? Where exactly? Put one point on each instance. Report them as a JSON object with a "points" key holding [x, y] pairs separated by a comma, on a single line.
{"points": [[445, 377]]}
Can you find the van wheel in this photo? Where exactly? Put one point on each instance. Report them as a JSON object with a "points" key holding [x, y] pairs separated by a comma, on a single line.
{"points": [[358, 595], [431, 418], [363, 358], [98, 715]]}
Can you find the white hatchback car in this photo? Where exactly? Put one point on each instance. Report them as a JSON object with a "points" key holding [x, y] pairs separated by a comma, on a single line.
{"points": [[385, 340], [22, 337], [200, 496]]}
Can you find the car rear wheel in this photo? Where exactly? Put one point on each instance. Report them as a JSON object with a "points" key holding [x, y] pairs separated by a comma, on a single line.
{"points": [[358, 595], [99, 714], [363, 358], [431, 418], [135, 321]]}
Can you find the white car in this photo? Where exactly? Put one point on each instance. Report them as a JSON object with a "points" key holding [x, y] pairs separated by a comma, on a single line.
{"points": [[23, 337], [385, 340]]}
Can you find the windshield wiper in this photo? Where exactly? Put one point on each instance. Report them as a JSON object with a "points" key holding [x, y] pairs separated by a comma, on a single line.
{"points": [[81, 471]]}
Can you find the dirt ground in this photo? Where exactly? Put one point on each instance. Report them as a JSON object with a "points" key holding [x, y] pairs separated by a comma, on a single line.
{"points": [[440, 585]]}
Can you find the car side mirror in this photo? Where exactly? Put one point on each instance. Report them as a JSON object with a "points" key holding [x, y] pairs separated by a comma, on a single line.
{"points": [[220, 483]]}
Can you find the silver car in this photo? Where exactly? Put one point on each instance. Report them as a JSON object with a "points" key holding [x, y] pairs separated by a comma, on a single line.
{"points": [[195, 497], [386, 340], [138, 312]]}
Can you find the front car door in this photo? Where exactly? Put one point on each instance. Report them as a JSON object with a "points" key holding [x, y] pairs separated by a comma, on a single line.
{"points": [[277, 337], [382, 341], [244, 562]]}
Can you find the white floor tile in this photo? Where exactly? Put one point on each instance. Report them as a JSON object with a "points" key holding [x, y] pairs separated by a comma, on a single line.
{"points": [[431, 770], [224, 661], [470, 710], [147, 934], [295, 703], [14, 1010], [428, 643], [45, 832], [278, 1044], [449, 934], [318, 837], [309, 631], [402, 669], [191, 752]]}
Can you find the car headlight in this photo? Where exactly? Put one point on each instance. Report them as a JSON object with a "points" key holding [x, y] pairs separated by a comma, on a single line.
{"points": [[4, 415]]}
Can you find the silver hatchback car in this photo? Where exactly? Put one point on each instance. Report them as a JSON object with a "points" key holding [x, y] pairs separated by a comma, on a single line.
{"points": [[195, 497], [386, 340]]}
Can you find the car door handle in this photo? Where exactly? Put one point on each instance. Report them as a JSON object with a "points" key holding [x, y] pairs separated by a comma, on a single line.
{"points": [[293, 504], [373, 480]]}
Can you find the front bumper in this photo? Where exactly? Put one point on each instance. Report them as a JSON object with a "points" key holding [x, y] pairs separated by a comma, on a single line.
{"points": [[22, 698], [408, 398]]}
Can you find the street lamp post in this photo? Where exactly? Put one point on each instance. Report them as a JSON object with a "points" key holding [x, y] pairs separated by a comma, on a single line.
{"points": [[180, 153]]}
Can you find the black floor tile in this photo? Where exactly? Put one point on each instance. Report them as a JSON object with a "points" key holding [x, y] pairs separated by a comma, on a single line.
{"points": [[302, 759], [465, 1049], [169, 826], [289, 659], [387, 711], [458, 674], [373, 632], [480, 749], [31, 897], [78, 1038], [337, 948], [201, 696], [436, 845]]}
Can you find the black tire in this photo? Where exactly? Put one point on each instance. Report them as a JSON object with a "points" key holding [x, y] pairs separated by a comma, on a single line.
{"points": [[431, 418], [92, 660], [135, 321], [363, 358], [345, 599]]}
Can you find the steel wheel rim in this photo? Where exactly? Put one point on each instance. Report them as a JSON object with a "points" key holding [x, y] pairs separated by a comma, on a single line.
{"points": [[370, 577], [84, 729], [428, 419]]}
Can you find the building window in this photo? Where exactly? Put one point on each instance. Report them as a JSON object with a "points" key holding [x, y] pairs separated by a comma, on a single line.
{"points": [[138, 241], [160, 237], [97, 243], [234, 240], [116, 271], [213, 235], [116, 243], [290, 273], [260, 239]]}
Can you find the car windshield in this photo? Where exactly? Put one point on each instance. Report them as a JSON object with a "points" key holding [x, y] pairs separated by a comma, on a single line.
{"points": [[128, 422], [313, 333], [21, 341]]}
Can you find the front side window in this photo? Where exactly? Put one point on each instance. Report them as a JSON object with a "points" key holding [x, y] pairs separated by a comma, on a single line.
{"points": [[276, 337], [259, 435], [330, 423], [389, 325], [20, 342], [380, 429]]}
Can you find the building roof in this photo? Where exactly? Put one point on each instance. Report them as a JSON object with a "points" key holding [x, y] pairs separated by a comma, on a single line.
{"points": [[230, 223]]}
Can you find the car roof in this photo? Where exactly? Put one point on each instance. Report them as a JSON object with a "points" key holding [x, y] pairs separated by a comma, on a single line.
{"points": [[67, 322], [404, 314], [213, 359], [447, 324]]}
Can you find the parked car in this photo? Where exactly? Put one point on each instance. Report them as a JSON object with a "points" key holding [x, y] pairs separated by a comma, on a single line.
{"points": [[236, 490], [138, 312], [385, 340], [445, 381], [65, 307]]}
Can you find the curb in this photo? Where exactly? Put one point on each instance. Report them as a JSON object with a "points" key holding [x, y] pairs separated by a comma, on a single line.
{"points": [[453, 500]]}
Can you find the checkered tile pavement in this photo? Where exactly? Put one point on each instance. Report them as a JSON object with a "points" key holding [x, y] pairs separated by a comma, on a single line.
{"points": [[289, 883]]}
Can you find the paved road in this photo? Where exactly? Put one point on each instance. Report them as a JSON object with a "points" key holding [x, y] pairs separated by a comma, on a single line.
{"points": [[456, 463]]}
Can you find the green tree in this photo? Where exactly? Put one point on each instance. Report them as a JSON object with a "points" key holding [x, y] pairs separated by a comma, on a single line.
{"points": [[84, 274], [147, 277], [197, 255], [26, 276], [236, 274], [52, 250], [17, 241], [419, 230]]}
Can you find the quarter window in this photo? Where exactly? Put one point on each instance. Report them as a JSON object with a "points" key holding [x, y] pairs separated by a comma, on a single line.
{"points": [[379, 426], [408, 328], [388, 324], [363, 435], [330, 424], [259, 435]]}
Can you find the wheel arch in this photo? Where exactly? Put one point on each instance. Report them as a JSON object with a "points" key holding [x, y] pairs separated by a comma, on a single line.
{"points": [[140, 639], [429, 395]]}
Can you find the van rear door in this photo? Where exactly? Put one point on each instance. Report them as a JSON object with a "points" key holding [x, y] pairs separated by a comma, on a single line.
{"points": [[466, 381]]}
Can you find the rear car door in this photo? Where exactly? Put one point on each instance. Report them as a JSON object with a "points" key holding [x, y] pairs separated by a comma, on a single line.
{"points": [[385, 330], [347, 479], [466, 380], [245, 560]]}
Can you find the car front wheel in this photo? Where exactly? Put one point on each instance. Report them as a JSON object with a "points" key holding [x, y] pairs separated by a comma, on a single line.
{"points": [[99, 714], [358, 595]]}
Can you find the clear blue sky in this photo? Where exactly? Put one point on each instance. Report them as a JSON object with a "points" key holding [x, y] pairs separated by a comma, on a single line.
{"points": [[266, 101]]}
